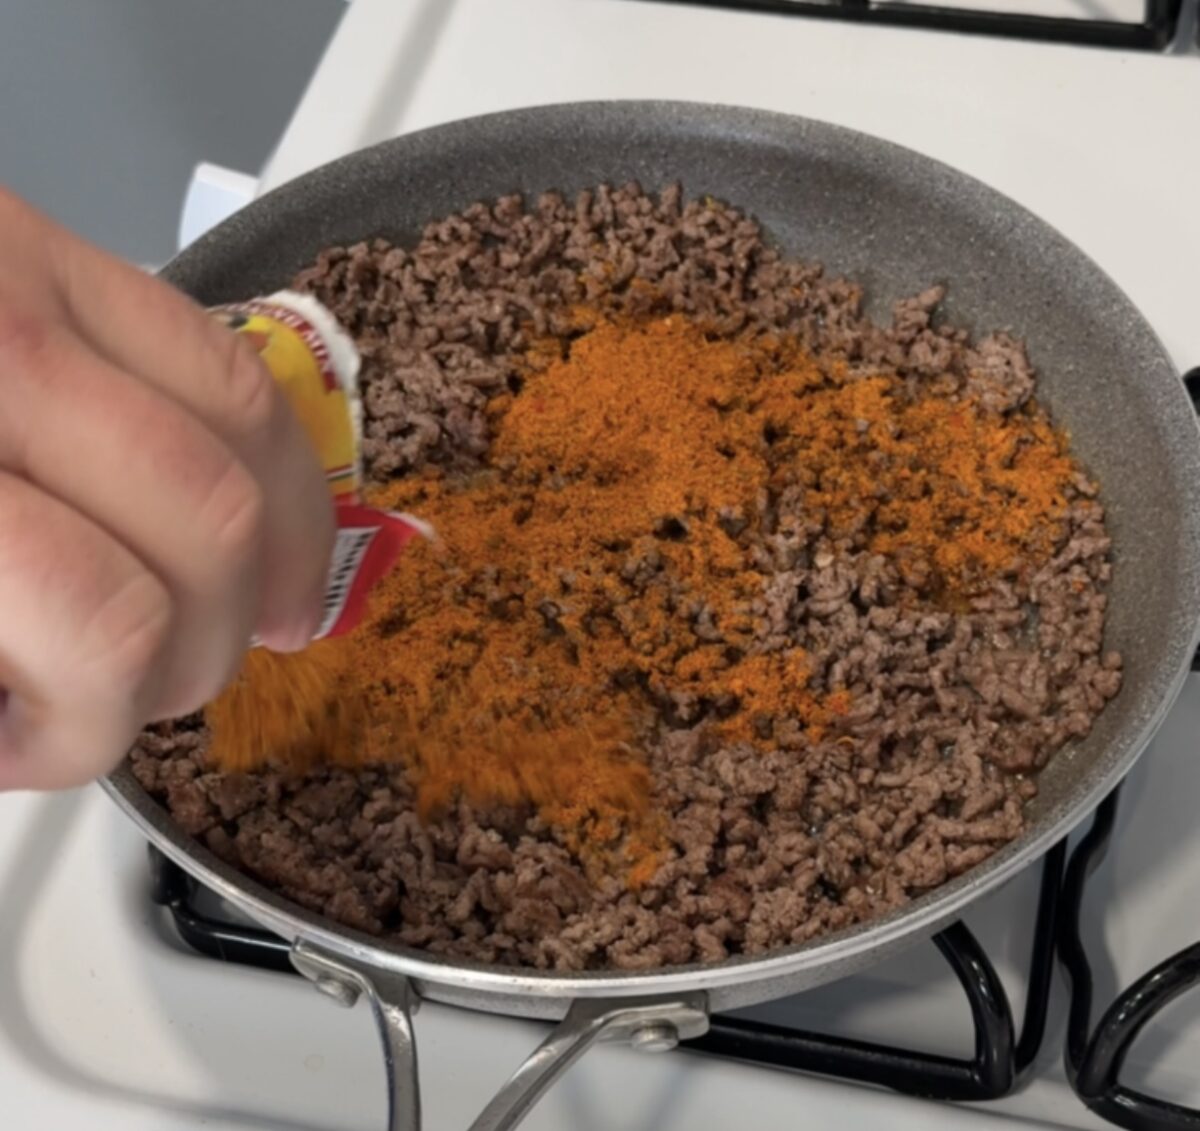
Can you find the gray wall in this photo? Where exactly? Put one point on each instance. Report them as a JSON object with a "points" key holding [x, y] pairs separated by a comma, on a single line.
{"points": [[106, 105]]}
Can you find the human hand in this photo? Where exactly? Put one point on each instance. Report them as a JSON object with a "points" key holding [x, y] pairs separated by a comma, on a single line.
{"points": [[159, 503]]}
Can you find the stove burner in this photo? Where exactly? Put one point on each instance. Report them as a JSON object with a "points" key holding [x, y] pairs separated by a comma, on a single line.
{"points": [[1154, 32], [1000, 1057], [1093, 1059]]}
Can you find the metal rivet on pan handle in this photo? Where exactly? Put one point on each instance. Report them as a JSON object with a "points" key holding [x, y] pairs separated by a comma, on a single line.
{"points": [[662, 1037]]}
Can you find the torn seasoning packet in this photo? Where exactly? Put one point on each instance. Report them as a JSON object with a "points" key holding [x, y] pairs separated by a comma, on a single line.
{"points": [[316, 364]]}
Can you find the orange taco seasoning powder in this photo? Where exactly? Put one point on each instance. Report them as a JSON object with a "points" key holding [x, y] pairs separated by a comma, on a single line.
{"points": [[528, 657]]}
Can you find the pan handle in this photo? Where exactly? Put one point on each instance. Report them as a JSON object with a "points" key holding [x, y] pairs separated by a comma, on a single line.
{"points": [[650, 1025], [393, 1003], [647, 1024]]}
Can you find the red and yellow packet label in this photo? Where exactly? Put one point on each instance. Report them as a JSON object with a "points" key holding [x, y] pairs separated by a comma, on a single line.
{"points": [[316, 365]]}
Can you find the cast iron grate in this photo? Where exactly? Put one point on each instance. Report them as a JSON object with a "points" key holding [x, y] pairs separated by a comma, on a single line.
{"points": [[1153, 32], [1093, 1057]]}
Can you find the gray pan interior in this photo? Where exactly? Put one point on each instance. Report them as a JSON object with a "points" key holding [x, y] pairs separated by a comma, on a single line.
{"points": [[893, 219]]}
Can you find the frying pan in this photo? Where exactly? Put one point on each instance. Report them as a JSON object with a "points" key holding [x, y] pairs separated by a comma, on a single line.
{"points": [[894, 220]]}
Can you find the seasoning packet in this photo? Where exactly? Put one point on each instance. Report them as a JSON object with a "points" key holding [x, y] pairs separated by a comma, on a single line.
{"points": [[316, 364]]}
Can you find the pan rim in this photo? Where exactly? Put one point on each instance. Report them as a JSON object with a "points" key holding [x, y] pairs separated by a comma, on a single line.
{"points": [[915, 920]]}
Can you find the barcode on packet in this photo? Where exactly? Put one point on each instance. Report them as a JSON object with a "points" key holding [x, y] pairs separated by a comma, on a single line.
{"points": [[368, 543], [349, 550]]}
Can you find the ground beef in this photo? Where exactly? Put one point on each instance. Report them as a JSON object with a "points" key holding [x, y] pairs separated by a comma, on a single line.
{"points": [[953, 711]]}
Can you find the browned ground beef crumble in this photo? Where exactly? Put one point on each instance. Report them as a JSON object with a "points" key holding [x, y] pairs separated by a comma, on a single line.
{"points": [[952, 711]]}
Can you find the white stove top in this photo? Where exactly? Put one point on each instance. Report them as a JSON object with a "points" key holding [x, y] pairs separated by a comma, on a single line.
{"points": [[107, 1022]]}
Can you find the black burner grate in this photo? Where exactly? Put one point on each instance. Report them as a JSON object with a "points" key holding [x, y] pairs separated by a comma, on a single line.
{"points": [[1093, 1059], [999, 1060], [1155, 31]]}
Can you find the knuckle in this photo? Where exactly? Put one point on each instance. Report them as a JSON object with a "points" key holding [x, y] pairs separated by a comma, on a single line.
{"points": [[128, 633], [250, 393]]}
